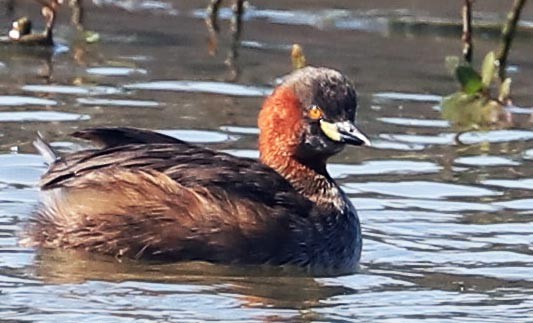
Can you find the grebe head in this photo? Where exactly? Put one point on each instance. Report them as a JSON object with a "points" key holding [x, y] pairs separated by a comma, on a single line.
{"points": [[20, 27], [309, 117]]}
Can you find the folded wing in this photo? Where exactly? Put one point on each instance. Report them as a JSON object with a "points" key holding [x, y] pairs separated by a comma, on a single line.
{"points": [[144, 198]]}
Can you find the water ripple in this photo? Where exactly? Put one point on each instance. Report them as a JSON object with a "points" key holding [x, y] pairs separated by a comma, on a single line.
{"points": [[505, 272], [22, 116], [520, 204], [202, 86], [398, 96], [241, 130], [20, 175], [439, 139], [484, 160], [74, 90], [519, 183], [199, 136], [20, 160], [419, 189], [410, 122], [496, 136], [118, 102], [115, 71], [447, 221], [380, 167], [19, 100], [396, 145]]}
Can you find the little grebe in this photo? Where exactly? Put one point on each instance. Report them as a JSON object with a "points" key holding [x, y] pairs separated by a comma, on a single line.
{"points": [[147, 195], [21, 29]]}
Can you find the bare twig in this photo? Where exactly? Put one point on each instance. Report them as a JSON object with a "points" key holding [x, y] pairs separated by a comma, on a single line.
{"points": [[236, 28], [236, 20], [508, 32], [212, 13], [77, 13], [467, 31], [211, 21]]}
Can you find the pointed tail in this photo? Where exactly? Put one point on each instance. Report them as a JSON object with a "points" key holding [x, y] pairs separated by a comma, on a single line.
{"points": [[49, 154]]}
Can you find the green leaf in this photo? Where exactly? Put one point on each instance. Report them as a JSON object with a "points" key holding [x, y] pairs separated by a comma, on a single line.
{"points": [[470, 80], [469, 111], [91, 37], [505, 90], [488, 69]]}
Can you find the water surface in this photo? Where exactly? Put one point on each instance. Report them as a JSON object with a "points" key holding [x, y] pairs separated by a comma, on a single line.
{"points": [[448, 225]]}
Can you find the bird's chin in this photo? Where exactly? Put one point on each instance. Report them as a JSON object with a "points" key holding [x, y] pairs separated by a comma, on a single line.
{"points": [[337, 147]]}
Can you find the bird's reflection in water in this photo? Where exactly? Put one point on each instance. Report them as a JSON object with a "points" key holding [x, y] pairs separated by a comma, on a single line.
{"points": [[31, 61], [30, 47], [252, 286], [21, 31], [78, 13], [235, 29]]}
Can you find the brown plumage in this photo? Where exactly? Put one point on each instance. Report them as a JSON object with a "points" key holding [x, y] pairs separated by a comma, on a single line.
{"points": [[147, 195]]}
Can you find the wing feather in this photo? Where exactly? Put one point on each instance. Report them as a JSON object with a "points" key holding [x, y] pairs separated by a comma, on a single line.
{"points": [[149, 198]]}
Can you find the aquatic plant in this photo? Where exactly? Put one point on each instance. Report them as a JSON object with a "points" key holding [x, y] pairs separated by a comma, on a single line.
{"points": [[211, 22], [297, 57], [475, 105]]}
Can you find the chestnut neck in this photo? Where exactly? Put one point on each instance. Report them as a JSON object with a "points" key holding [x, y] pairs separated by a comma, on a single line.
{"points": [[281, 125]]}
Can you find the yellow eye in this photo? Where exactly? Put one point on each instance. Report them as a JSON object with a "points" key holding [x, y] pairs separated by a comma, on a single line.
{"points": [[315, 113]]}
